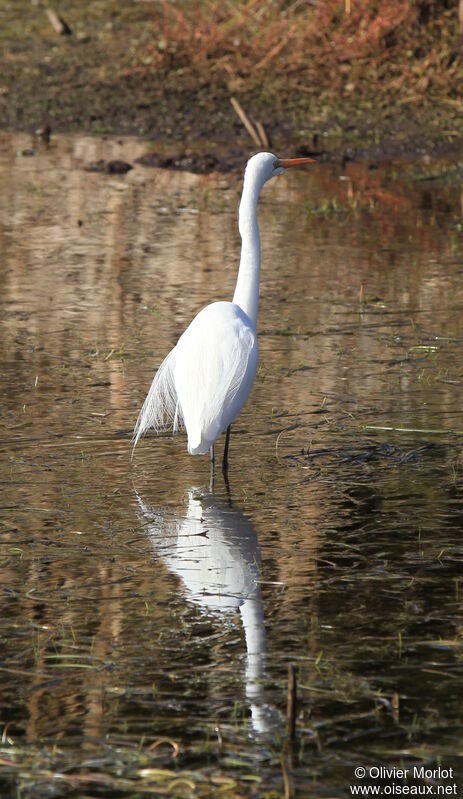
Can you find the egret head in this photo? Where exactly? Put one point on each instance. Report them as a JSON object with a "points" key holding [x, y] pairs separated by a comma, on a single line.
{"points": [[266, 165]]}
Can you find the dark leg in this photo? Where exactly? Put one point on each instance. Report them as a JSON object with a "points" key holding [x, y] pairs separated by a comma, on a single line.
{"points": [[227, 486], [211, 478], [225, 451]]}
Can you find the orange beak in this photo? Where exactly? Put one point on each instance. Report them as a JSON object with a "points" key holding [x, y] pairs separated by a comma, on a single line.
{"points": [[287, 162]]}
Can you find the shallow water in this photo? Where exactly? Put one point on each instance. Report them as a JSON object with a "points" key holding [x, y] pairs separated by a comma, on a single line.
{"points": [[147, 622]]}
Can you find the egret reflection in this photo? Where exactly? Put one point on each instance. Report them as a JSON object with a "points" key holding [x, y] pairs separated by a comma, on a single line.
{"points": [[214, 549]]}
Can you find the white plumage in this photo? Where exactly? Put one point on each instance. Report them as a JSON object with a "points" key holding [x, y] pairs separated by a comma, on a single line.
{"points": [[213, 549], [205, 380]]}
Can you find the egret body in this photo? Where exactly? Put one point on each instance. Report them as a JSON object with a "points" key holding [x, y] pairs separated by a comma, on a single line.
{"points": [[205, 380]]}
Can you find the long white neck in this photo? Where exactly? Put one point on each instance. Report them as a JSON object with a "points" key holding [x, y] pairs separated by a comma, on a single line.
{"points": [[247, 285]]}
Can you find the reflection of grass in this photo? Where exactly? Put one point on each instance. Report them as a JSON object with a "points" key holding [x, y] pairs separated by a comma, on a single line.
{"points": [[114, 354], [329, 206], [441, 171]]}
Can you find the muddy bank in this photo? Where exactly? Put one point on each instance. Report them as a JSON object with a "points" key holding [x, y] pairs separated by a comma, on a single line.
{"points": [[99, 80]]}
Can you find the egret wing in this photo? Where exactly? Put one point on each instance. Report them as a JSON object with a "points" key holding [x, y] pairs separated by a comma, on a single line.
{"points": [[214, 371], [160, 409], [204, 381]]}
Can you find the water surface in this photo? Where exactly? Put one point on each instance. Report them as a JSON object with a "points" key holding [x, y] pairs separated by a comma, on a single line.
{"points": [[147, 621]]}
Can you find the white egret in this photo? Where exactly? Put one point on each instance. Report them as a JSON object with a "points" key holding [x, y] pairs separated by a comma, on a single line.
{"points": [[205, 380]]}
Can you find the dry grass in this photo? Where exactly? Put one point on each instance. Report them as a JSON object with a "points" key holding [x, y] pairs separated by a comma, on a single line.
{"points": [[409, 46]]}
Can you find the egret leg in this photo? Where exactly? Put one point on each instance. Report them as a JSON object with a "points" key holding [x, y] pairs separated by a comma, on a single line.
{"points": [[211, 476], [225, 451], [227, 487]]}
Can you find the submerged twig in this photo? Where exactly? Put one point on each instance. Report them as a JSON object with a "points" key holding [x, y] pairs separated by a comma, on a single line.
{"points": [[291, 703], [413, 430], [169, 741], [286, 783]]}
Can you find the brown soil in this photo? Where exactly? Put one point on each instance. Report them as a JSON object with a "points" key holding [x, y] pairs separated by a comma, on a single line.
{"points": [[96, 80]]}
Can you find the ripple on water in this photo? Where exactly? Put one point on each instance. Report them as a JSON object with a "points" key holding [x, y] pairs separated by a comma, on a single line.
{"points": [[143, 612]]}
